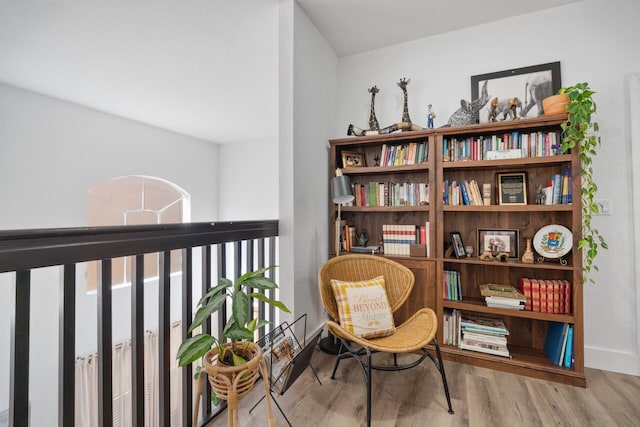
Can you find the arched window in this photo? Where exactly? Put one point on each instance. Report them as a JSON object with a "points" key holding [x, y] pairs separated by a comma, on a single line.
{"points": [[136, 200]]}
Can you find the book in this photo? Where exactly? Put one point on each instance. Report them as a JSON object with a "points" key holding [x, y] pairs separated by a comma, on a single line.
{"points": [[486, 194], [568, 354], [485, 347], [553, 342], [365, 249], [504, 291], [564, 344], [483, 324]]}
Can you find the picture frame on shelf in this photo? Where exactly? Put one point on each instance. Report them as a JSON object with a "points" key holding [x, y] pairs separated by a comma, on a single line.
{"points": [[531, 84], [457, 245], [512, 188], [353, 159], [499, 240]]}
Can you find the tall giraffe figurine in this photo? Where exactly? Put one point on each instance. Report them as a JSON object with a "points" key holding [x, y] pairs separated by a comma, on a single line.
{"points": [[373, 121], [405, 112]]}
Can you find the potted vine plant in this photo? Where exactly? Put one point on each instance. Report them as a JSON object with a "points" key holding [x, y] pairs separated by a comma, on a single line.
{"points": [[581, 132], [233, 358]]}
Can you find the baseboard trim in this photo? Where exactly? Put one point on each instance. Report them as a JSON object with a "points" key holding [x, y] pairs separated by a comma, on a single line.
{"points": [[612, 360]]}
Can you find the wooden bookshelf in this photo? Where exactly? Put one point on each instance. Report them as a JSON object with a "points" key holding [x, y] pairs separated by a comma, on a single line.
{"points": [[527, 328]]}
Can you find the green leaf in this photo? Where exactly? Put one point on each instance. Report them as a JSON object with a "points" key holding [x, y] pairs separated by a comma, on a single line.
{"points": [[237, 360], [263, 298], [261, 283], [204, 312], [194, 348], [240, 308], [222, 284]]}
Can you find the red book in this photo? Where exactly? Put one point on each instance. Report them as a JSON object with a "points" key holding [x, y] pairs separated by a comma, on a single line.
{"points": [[525, 288], [543, 296], [535, 295], [567, 296], [423, 235]]}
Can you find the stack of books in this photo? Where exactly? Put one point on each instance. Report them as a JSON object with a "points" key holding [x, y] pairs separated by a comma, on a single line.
{"points": [[503, 296], [483, 334]]}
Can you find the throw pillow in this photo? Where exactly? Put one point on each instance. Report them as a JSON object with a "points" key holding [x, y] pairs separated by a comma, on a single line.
{"points": [[363, 307]]}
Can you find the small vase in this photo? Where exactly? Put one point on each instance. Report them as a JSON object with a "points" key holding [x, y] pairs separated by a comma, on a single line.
{"points": [[527, 257]]}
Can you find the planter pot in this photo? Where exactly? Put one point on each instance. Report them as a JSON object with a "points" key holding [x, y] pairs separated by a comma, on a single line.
{"points": [[225, 379], [555, 104], [230, 383]]}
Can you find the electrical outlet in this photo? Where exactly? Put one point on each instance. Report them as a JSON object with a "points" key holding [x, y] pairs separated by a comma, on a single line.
{"points": [[605, 206]]}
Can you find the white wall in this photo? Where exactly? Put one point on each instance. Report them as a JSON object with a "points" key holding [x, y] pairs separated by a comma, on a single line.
{"points": [[248, 180], [592, 40], [315, 82], [51, 152]]}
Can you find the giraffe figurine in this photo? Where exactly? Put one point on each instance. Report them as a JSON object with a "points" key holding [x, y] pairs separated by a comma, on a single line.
{"points": [[373, 120], [405, 112]]}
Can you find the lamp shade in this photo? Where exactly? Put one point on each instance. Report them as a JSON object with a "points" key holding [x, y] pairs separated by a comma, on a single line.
{"points": [[341, 189]]}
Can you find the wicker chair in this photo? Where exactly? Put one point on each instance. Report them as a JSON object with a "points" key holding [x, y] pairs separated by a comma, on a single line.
{"points": [[410, 337]]}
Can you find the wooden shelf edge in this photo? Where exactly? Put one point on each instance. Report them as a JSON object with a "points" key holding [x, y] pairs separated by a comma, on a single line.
{"points": [[518, 161], [371, 209], [508, 264], [540, 369], [478, 306], [507, 208], [379, 170]]}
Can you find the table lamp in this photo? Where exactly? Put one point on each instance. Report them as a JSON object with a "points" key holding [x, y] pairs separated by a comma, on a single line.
{"points": [[341, 193]]}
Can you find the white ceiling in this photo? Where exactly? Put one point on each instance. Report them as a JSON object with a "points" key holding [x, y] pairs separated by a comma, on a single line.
{"points": [[204, 68]]}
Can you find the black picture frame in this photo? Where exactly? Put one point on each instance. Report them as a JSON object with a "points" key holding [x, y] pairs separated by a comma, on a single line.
{"points": [[529, 84], [512, 188], [457, 245], [508, 240]]}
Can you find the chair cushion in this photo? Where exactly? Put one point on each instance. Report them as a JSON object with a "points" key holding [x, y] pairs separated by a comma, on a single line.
{"points": [[363, 307]]}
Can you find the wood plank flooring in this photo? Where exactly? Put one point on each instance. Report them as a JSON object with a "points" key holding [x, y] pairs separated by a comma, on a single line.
{"points": [[415, 397]]}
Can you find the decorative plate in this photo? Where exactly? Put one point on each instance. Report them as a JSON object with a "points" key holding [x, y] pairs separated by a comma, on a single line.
{"points": [[553, 241]]}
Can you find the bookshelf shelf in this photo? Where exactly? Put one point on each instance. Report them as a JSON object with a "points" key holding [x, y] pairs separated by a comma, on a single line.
{"points": [[372, 209], [527, 329], [509, 264], [477, 305]]}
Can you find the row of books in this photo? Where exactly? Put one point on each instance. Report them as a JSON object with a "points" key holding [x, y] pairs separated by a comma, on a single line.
{"points": [[559, 344], [533, 144], [483, 334], [398, 238], [502, 296], [558, 190], [466, 192], [547, 296], [348, 236], [451, 327], [390, 194], [451, 285], [408, 154]]}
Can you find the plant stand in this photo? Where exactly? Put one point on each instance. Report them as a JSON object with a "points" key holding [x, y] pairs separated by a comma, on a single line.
{"points": [[230, 383]]}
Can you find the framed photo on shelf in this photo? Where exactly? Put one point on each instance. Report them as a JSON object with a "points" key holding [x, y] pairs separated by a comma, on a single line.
{"points": [[352, 159], [504, 240], [530, 85], [512, 188], [458, 246]]}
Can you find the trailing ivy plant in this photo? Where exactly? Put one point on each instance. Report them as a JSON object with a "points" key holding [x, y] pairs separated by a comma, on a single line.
{"points": [[581, 132]]}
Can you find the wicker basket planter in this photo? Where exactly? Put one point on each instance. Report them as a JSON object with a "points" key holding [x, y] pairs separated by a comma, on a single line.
{"points": [[225, 379], [230, 383]]}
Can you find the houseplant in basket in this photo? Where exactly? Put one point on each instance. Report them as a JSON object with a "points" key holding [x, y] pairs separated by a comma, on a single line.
{"points": [[581, 132], [232, 360]]}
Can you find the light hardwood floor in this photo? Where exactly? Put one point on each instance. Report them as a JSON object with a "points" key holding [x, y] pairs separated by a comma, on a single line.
{"points": [[415, 397]]}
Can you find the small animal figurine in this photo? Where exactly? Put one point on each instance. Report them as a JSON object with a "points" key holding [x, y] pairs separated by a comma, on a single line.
{"points": [[493, 109], [468, 113]]}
